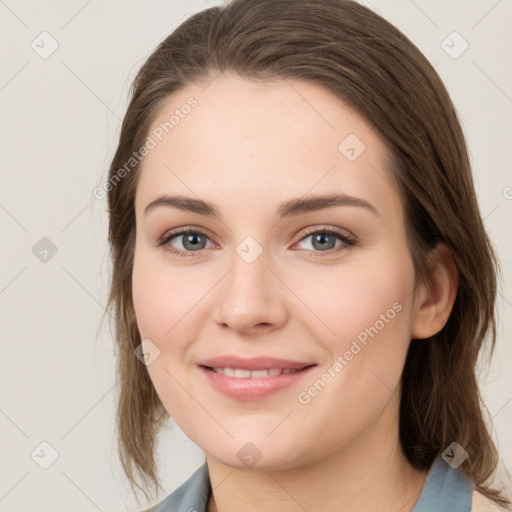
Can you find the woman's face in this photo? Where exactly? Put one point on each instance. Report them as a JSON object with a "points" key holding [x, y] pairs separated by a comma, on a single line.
{"points": [[258, 279]]}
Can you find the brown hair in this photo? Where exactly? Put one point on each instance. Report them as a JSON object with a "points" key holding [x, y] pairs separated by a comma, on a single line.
{"points": [[370, 65]]}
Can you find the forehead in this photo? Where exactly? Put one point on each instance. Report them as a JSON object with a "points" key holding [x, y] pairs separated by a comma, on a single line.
{"points": [[264, 141]]}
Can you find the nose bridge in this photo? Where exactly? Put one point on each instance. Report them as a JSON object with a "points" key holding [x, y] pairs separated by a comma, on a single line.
{"points": [[250, 293]]}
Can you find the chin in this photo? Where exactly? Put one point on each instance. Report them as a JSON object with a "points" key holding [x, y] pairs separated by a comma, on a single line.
{"points": [[256, 455]]}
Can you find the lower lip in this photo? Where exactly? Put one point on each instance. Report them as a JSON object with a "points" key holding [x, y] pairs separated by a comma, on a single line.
{"points": [[252, 388]]}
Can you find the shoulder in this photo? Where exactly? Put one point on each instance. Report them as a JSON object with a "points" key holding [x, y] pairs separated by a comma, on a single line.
{"points": [[192, 495], [479, 503]]}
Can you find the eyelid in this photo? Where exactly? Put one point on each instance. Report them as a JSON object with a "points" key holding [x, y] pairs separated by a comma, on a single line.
{"points": [[182, 230], [321, 228]]}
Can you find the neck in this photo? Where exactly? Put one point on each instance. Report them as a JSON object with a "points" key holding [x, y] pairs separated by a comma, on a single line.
{"points": [[370, 473]]}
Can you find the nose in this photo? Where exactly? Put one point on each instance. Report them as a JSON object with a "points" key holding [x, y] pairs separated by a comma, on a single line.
{"points": [[251, 298]]}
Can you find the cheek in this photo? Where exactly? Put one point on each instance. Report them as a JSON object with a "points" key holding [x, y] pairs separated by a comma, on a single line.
{"points": [[161, 311], [366, 309], [369, 310], [150, 299], [162, 296], [366, 295]]}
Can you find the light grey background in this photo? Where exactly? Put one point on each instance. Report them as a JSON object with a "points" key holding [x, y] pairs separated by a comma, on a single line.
{"points": [[60, 119]]}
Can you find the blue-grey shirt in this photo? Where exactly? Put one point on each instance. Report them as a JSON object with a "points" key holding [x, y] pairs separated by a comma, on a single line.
{"points": [[445, 490]]}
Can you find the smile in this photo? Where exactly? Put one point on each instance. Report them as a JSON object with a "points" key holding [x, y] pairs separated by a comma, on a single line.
{"points": [[240, 373], [243, 384]]}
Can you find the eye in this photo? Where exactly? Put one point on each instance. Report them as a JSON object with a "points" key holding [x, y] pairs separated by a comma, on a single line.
{"points": [[323, 241], [193, 241]]}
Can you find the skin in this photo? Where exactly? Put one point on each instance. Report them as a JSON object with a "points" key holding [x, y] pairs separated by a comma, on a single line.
{"points": [[247, 147]]}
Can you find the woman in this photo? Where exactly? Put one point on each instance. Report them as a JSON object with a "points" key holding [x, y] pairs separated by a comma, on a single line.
{"points": [[301, 276]]}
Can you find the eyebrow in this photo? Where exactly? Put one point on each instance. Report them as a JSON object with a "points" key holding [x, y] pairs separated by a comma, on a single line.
{"points": [[289, 208]]}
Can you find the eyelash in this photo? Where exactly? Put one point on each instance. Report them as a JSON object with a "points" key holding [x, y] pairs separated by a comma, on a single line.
{"points": [[348, 241]]}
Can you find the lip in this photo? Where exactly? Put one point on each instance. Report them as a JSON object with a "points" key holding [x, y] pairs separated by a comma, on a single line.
{"points": [[253, 363], [252, 388]]}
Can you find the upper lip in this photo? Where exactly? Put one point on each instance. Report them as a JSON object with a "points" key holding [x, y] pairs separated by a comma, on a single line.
{"points": [[252, 363]]}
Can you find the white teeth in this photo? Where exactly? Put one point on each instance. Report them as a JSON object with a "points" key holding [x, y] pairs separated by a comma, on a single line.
{"points": [[260, 373], [244, 374]]}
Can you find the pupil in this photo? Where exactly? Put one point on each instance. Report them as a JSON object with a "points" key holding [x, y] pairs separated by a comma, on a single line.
{"points": [[321, 239], [192, 239]]}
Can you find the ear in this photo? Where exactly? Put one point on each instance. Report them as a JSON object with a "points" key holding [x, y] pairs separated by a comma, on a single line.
{"points": [[434, 299]]}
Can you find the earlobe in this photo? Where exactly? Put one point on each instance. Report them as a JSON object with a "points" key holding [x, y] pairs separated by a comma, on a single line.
{"points": [[434, 300]]}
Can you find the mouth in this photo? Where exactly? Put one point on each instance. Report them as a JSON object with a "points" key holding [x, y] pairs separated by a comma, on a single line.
{"points": [[241, 373], [249, 385]]}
